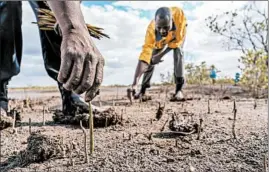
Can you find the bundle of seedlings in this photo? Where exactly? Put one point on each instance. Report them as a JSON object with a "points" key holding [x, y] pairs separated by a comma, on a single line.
{"points": [[183, 126], [101, 118], [47, 21]]}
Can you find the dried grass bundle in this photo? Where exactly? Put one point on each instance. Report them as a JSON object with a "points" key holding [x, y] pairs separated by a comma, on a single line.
{"points": [[47, 21]]}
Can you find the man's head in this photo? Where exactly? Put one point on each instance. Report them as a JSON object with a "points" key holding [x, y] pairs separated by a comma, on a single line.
{"points": [[163, 21]]}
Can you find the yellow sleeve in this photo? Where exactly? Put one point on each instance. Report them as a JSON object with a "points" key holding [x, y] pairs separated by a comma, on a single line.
{"points": [[148, 45], [180, 21]]}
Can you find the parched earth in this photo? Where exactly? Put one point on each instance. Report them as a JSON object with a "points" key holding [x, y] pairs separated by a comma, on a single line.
{"points": [[137, 143]]}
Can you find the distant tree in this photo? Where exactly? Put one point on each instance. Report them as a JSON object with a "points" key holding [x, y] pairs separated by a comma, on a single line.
{"points": [[242, 29], [245, 29]]}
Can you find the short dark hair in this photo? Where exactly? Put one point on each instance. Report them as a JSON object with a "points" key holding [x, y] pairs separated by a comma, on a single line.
{"points": [[163, 12]]}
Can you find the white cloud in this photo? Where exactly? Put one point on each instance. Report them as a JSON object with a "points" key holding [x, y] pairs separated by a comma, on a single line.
{"points": [[147, 5], [127, 31]]}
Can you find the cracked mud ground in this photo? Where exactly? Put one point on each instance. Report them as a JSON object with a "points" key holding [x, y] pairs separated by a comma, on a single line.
{"points": [[127, 147]]}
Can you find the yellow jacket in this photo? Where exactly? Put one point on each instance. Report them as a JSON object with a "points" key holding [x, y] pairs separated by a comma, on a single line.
{"points": [[154, 41]]}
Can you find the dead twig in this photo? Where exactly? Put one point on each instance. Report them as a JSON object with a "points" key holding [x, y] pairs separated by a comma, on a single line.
{"points": [[121, 118], [14, 123], [208, 106], [199, 129], [43, 115], [150, 137], [162, 129], [85, 143], [91, 129], [106, 122], [264, 163], [70, 155], [30, 126], [233, 127], [184, 133], [255, 104]]}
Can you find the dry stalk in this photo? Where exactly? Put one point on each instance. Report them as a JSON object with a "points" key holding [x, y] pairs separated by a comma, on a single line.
{"points": [[14, 123], [70, 155], [233, 127], [64, 149], [164, 124], [199, 129], [106, 122], [208, 106], [150, 136], [255, 104], [264, 163], [121, 119], [44, 116], [160, 111], [91, 129], [30, 126], [85, 143]]}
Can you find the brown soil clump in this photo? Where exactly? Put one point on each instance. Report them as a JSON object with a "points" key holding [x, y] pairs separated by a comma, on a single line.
{"points": [[5, 122], [42, 147], [101, 119]]}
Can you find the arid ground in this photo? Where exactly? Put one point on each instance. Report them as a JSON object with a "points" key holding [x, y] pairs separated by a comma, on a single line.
{"points": [[137, 143]]}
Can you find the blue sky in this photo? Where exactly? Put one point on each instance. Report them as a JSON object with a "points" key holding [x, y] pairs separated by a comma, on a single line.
{"points": [[126, 23], [188, 6]]}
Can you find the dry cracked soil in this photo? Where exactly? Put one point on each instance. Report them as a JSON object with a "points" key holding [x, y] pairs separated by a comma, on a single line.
{"points": [[137, 143]]}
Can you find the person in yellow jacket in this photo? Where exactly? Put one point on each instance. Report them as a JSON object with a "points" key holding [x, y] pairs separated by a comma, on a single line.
{"points": [[165, 33]]}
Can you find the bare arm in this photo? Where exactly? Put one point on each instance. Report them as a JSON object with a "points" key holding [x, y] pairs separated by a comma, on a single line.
{"points": [[157, 58], [68, 15], [81, 62]]}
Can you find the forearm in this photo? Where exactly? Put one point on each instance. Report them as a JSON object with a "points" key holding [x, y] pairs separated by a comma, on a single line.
{"points": [[69, 16], [140, 69], [162, 53]]}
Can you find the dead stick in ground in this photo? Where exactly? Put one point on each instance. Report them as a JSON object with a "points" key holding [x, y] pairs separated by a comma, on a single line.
{"points": [[30, 126], [106, 122], [121, 119], [14, 123], [91, 129], [164, 124], [233, 127], [264, 163], [85, 143], [43, 115], [255, 104], [199, 129], [70, 154], [208, 107]]}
